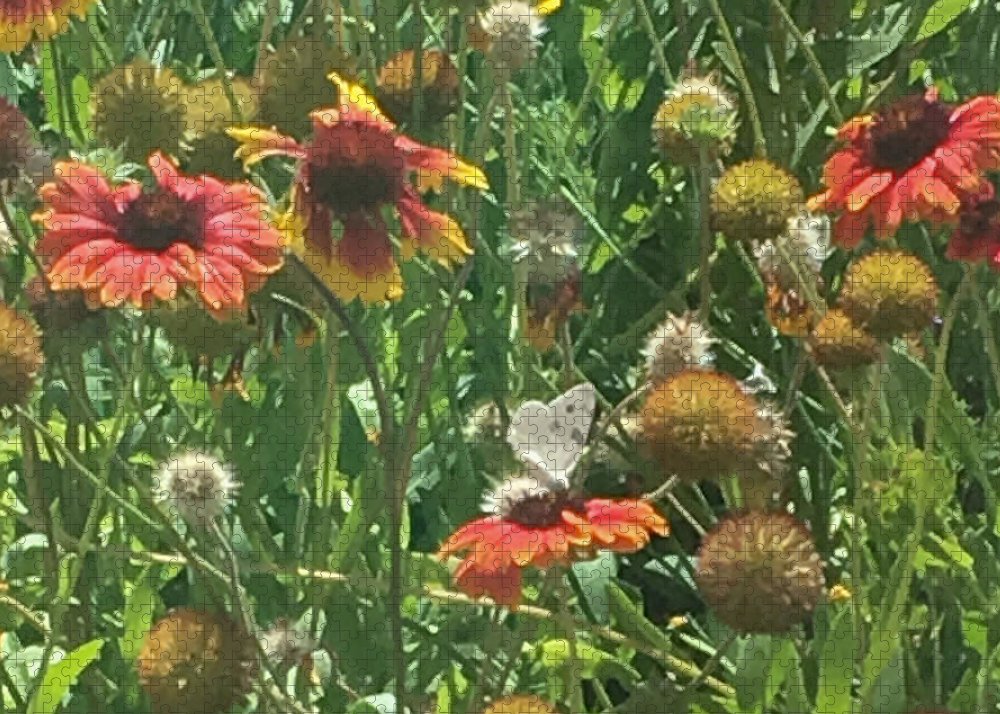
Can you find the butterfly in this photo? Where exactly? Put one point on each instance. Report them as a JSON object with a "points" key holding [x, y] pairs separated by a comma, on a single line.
{"points": [[550, 438]]}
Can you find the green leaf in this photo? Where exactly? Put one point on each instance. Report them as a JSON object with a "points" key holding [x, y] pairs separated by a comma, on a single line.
{"points": [[836, 666], [941, 14], [59, 677], [375, 704], [762, 665], [594, 577], [141, 603]]}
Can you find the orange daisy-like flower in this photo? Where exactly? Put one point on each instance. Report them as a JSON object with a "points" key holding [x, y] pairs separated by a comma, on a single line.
{"points": [[20, 20], [914, 160], [122, 244], [542, 527], [355, 164]]}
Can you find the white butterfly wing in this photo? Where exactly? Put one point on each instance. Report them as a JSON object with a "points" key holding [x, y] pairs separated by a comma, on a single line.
{"points": [[550, 438]]}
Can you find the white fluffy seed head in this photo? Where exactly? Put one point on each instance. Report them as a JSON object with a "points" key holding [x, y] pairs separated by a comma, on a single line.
{"points": [[548, 232], [806, 241], [285, 645], [680, 342], [196, 486], [514, 28]]}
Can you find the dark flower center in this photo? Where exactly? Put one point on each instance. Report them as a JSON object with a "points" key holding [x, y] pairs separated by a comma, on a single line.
{"points": [[353, 167], [906, 132], [160, 219], [543, 509], [981, 219]]}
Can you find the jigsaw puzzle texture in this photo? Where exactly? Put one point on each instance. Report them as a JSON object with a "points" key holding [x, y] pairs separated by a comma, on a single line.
{"points": [[499, 356]]}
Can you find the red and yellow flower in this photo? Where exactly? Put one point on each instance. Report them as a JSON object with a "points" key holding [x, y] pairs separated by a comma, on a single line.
{"points": [[977, 237], [356, 164], [543, 528], [914, 160], [20, 20], [123, 244]]}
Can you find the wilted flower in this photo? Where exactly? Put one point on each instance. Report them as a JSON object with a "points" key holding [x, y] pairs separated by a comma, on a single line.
{"points": [[760, 572], [540, 525], [355, 165], [790, 266], [977, 237], [697, 114], [126, 244], [196, 486], [139, 108], [681, 342], [753, 201], [197, 662], [547, 265], [67, 323], [18, 142], [20, 356], [438, 91], [890, 293], [913, 160]]}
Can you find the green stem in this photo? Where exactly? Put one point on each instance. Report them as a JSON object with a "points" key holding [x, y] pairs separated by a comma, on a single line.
{"points": [[986, 330], [811, 59], [759, 141], [511, 163], [705, 234], [593, 78], [891, 620]]}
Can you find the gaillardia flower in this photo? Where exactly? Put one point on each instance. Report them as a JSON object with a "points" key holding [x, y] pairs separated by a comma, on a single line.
{"points": [[438, 90], [20, 20], [538, 525], [20, 356], [123, 244], [140, 108], [198, 662], [356, 164], [977, 237], [890, 293], [753, 201], [838, 343], [700, 424], [913, 160], [760, 572]]}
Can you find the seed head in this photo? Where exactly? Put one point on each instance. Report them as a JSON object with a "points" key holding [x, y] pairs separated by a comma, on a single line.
{"points": [[753, 201], [890, 293], [21, 357], [760, 572], [696, 114], [679, 343], [196, 486]]}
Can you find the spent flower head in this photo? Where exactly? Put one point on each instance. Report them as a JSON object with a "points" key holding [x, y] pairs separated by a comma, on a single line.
{"points": [[196, 486]]}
